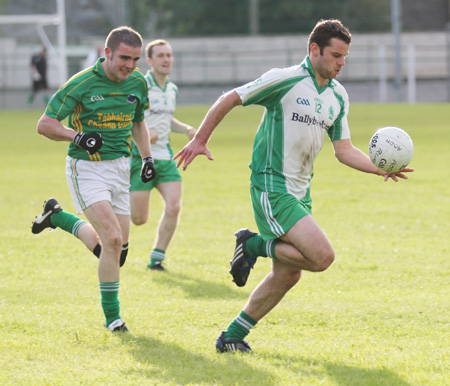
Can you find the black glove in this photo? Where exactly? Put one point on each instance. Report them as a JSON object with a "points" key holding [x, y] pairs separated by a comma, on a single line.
{"points": [[91, 142], [148, 169]]}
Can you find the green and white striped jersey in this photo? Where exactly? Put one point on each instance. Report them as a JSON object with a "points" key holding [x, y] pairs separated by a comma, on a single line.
{"points": [[93, 102], [297, 115]]}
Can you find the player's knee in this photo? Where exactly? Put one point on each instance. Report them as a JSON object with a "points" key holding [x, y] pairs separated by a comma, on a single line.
{"points": [[113, 242], [172, 209], [138, 219], [325, 260]]}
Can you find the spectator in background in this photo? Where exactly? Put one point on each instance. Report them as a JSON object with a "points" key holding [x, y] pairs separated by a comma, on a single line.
{"points": [[39, 76]]}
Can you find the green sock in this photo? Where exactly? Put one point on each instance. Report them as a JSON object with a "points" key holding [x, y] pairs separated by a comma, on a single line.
{"points": [[240, 327], [257, 246], [67, 221], [110, 301], [156, 255]]}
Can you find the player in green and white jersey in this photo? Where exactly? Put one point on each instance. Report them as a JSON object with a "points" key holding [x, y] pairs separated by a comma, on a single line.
{"points": [[105, 107], [302, 104], [162, 95]]}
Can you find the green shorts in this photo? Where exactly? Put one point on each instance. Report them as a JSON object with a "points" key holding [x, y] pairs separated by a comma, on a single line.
{"points": [[276, 213], [166, 171]]}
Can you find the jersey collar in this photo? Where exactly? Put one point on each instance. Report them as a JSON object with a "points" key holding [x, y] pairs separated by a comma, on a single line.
{"points": [[308, 66], [153, 81], [98, 69]]}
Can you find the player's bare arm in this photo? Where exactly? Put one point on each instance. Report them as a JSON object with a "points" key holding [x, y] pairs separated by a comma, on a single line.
{"points": [[180, 127], [353, 157], [214, 116], [153, 136], [53, 129]]}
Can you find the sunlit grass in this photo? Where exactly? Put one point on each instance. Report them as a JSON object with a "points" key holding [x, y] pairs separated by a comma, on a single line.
{"points": [[378, 316]]}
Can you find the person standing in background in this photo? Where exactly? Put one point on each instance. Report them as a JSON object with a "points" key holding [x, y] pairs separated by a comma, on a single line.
{"points": [[39, 76]]}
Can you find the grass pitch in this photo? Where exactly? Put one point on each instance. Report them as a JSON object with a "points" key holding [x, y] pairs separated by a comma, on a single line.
{"points": [[378, 316]]}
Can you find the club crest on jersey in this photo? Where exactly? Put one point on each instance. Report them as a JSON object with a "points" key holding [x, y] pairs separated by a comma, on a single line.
{"points": [[331, 113], [131, 98]]}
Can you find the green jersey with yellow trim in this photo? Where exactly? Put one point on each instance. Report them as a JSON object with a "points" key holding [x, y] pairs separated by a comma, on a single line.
{"points": [[93, 102], [297, 115]]}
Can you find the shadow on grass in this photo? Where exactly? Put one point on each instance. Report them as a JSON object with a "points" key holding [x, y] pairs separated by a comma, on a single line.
{"points": [[340, 373], [349, 375], [198, 288], [164, 362]]}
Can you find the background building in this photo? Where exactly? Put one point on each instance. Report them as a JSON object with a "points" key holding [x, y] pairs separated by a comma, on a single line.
{"points": [[219, 45]]}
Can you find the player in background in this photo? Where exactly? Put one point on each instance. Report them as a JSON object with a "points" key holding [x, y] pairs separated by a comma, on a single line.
{"points": [[105, 106], [302, 103], [39, 76], [162, 94]]}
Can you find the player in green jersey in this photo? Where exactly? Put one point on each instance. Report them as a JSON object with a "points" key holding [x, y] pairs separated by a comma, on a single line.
{"points": [[162, 94], [302, 103], [105, 107]]}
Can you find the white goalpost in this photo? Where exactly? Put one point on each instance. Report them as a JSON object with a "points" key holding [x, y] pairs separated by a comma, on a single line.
{"points": [[58, 19]]}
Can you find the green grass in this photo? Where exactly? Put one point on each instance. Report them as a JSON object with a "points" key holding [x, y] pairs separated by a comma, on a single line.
{"points": [[378, 316]]}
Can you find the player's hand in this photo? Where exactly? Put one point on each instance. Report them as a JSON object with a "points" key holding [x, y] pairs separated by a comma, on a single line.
{"points": [[191, 132], [190, 151], [400, 174], [148, 169], [153, 136], [91, 142]]}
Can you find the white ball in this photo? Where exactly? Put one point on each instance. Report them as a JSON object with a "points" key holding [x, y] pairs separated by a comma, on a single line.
{"points": [[391, 149]]}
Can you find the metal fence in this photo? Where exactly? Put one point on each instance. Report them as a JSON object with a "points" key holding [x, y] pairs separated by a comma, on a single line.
{"points": [[204, 68]]}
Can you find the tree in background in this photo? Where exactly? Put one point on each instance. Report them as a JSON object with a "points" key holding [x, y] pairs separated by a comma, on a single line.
{"points": [[175, 18], [231, 17]]}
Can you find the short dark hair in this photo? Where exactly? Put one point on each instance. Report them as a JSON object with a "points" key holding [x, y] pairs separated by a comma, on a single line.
{"points": [[157, 42], [325, 30], [125, 35]]}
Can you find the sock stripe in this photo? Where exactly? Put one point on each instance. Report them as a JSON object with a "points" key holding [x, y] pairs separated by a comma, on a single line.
{"points": [[109, 292], [76, 227], [155, 255], [109, 287], [247, 325]]}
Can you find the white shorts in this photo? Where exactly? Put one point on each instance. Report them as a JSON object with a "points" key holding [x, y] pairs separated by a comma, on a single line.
{"points": [[93, 181]]}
